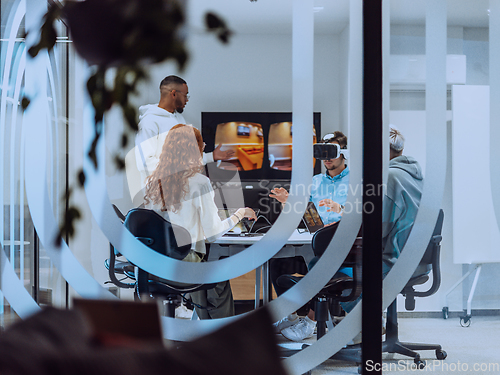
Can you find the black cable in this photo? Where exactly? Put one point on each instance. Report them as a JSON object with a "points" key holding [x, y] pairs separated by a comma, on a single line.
{"points": [[266, 227], [195, 304]]}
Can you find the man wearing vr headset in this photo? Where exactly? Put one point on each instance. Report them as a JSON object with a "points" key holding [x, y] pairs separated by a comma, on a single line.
{"points": [[329, 194], [328, 190]]}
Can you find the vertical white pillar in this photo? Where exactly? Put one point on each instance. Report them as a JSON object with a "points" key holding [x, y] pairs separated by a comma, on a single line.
{"points": [[302, 86], [355, 94], [435, 95], [495, 109]]}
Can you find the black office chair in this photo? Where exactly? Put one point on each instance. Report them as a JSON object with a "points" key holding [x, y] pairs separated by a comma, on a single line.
{"points": [[124, 269], [328, 299], [163, 237], [429, 262]]}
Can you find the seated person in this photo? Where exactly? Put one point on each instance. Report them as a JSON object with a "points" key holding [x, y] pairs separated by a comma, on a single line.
{"points": [[399, 206], [329, 194], [405, 183], [182, 195]]}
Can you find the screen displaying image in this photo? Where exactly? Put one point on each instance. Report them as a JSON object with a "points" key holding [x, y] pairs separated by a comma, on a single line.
{"points": [[312, 219], [247, 142], [243, 130], [280, 145], [261, 142]]}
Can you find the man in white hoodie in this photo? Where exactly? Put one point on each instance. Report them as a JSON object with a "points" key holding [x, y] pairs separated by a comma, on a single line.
{"points": [[155, 120]]}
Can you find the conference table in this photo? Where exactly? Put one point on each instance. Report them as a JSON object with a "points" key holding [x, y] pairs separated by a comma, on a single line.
{"points": [[298, 244]]}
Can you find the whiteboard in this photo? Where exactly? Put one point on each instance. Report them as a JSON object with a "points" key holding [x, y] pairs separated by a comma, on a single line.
{"points": [[476, 237]]}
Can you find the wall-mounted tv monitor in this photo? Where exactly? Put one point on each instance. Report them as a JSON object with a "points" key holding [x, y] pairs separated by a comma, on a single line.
{"points": [[261, 141], [243, 130]]}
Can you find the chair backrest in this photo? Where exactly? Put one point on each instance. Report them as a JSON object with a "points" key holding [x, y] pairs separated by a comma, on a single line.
{"points": [[157, 233], [134, 179], [430, 261], [322, 238], [111, 262], [428, 255], [120, 215], [429, 258]]}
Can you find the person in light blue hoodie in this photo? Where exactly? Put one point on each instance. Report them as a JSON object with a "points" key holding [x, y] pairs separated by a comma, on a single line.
{"points": [[399, 208], [401, 201]]}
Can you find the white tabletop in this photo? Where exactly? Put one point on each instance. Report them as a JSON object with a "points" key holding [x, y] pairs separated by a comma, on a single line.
{"points": [[295, 239], [298, 244]]}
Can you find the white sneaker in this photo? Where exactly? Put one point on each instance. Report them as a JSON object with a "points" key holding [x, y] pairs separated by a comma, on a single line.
{"points": [[286, 322], [182, 312], [301, 330], [356, 340]]}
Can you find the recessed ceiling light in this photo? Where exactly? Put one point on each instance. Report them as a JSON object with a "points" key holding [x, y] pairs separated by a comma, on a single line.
{"points": [[318, 9]]}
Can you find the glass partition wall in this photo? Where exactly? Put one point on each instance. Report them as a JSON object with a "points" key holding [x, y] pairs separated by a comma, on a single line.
{"points": [[20, 242], [279, 59]]}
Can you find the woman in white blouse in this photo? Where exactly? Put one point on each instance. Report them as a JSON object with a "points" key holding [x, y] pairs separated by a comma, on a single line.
{"points": [[180, 193]]}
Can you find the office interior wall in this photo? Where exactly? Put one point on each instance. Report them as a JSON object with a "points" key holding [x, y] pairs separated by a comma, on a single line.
{"points": [[472, 42], [251, 73]]}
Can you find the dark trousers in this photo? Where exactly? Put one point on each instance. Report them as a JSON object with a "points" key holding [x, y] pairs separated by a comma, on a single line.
{"points": [[287, 266], [217, 302]]}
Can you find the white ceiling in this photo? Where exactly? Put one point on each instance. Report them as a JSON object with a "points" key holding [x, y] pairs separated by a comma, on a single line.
{"points": [[275, 16]]}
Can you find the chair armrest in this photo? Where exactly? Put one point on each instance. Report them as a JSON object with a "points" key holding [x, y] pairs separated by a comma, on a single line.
{"points": [[111, 270], [355, 259], [410, 293], [436, 274]]}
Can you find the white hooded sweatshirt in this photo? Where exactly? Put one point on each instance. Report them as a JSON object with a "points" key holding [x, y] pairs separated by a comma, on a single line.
{"points": [[154, 125]]}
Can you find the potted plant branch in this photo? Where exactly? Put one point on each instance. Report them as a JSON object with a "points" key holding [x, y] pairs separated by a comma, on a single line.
{"points": [[125, 35]]}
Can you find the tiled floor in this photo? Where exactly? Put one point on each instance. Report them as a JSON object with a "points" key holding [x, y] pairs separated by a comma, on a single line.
{"points": [[471, 350]]}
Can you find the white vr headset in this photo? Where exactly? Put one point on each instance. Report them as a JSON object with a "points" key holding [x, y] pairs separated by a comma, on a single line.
{"points": [[328, 151]]}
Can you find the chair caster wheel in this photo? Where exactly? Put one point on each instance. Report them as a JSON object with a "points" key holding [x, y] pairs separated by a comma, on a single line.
{"points": [[445, 312], [441, 354], [419, 363], [465, 320]]}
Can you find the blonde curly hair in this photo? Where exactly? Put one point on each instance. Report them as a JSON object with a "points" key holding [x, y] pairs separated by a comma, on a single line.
{"points": [[180, 159]]}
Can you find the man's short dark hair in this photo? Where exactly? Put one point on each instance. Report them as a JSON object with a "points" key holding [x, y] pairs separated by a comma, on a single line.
{"points": [[336, 136], [172, 80]]}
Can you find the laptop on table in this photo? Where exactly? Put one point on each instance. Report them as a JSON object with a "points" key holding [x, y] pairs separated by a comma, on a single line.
{"points": [[243, 228], [311, 218]]}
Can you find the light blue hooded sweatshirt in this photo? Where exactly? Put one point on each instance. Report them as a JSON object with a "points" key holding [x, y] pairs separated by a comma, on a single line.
{"points": [[400, 206]]}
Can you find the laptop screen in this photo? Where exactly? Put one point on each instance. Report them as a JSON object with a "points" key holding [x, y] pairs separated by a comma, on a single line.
{"points": [[311, 218]]}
